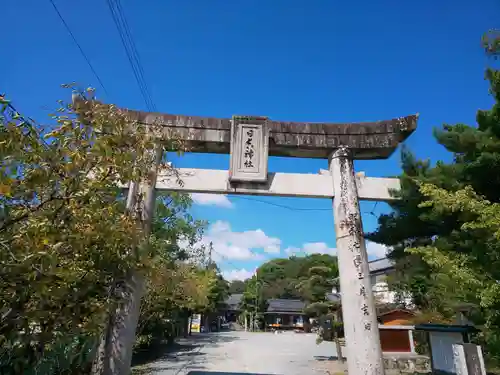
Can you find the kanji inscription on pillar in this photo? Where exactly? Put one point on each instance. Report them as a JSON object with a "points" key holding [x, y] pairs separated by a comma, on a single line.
{"points": [[249, 149]]}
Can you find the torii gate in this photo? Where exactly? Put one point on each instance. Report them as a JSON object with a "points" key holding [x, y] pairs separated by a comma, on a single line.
{"points": [[250, 140]]}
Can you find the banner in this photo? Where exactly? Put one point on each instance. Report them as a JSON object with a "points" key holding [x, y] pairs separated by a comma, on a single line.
{"points": [[195, 322]]}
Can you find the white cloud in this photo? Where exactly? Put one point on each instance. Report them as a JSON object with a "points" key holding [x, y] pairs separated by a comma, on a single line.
{"points": [[373, 249], [376, 250], [318, 248], [311, 248], [241, 274], [292, 250], [238, 245], [218, 200]]}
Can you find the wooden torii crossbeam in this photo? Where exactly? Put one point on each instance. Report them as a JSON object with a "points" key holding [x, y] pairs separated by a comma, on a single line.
{"points": [[366, 140], [250, 140]]}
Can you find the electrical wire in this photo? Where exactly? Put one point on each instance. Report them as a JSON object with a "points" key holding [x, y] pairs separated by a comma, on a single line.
{"points": [[136, 55], [79, 47], [226, 259], [372, 212], [281, 205], [129, 45]]}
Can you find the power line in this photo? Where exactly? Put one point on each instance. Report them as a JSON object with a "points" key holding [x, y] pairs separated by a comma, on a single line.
{"points": [[372, 212], [131, 51], [79, 47], [135, 52], [282, 205], [226, 259]]}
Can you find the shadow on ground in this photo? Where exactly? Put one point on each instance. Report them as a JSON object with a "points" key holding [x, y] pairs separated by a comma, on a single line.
{"points": [[187, 357], [185, 349], [222, 373], [322, 358]]}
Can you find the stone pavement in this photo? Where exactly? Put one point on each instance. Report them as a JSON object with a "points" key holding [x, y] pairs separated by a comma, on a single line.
{"points": [[237, 353]]}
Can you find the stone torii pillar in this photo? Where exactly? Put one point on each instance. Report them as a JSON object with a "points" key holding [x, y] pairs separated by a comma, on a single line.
{"points": [[364, 353]]}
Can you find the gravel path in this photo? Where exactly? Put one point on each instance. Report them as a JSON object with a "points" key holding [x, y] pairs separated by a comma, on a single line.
{"points": [[235, 353]]}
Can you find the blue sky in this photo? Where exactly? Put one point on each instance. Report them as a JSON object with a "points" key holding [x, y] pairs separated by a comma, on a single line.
{"points": [[297, 60]]}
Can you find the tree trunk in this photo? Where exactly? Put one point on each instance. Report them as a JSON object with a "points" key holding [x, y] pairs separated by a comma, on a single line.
{"points": [[206, 322], [187, 326], [114, 354], [339, 348], [337, 338]]}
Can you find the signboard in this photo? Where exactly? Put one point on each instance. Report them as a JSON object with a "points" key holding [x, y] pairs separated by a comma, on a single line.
{"points": [[442, 346], [249, 149], [474, 359], [196, 323]]}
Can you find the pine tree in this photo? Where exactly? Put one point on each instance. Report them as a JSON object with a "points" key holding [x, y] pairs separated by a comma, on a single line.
{"points": [[443, 232]]}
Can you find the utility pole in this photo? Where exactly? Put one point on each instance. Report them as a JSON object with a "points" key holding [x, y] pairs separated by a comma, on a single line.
{"points": [[256, 300], [210, 253], [257, 297]]}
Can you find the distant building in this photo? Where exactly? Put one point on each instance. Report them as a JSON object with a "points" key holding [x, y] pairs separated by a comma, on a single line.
{"points": [[233, 308], [380, 269], [289, 313], [395, 317], [285, 314], [396, 331]]}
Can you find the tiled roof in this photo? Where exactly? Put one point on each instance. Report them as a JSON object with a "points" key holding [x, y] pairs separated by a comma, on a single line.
{"points": [[333, 297], [380, 265], [234, 300], [285, 305]]}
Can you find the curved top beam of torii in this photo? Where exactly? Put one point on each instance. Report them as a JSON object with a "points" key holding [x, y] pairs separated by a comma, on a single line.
{"points": [[367, 140]]}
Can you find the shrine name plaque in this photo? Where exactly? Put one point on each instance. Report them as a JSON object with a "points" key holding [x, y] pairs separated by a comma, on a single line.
{"points": [[249, 149]]}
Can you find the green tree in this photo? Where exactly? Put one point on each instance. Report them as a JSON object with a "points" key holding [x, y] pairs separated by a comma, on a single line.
{"points": [[177, 284], [68, 245], [491, 43], [476, 163], [173, 294], [475, 272], [303, 278], [317, 284], [436, 247], [314, 290], [218, 292], [279, 277], [254, 302], [236, 287]]}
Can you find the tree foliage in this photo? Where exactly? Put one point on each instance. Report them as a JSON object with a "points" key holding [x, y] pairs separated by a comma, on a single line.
{"points": [[491, 43], [177, 285], [317, 284], [443, 230], [474, 272], [172, 294], [218, 292], [236, 287], [308, 278], [67, 241]]}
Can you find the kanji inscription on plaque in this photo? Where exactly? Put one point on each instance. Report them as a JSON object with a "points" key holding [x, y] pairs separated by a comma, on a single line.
{"points": [[249, 149]]}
